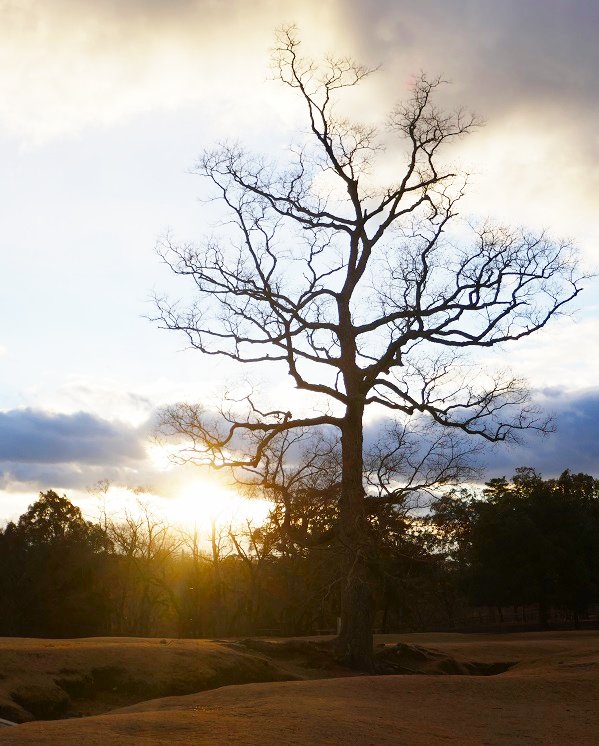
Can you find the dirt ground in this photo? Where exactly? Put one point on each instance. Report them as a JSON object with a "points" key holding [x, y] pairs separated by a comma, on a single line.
{"points": [[549, 694], [48, 679]]}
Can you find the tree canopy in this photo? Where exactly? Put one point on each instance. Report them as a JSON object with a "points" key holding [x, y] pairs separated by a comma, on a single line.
{"points": [[52, 571], [528, 541]]}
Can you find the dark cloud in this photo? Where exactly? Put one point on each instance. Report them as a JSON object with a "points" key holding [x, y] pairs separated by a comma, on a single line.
{"points": [[507, 54], [574, 445], [41, 450], [35, 436]]}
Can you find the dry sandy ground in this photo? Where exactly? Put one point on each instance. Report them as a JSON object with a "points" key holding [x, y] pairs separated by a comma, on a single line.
{"points": [[46, 679], [551, 696]]}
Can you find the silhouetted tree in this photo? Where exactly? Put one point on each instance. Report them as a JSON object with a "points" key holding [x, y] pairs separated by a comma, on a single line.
{"points": [[54, 571], [355, 287], [528, 541]]}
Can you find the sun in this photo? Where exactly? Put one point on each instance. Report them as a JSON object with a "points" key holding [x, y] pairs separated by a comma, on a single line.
{"points": [[199, 500], [204, 502]]}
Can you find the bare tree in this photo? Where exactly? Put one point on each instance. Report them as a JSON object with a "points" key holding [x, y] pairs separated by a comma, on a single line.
{"points": [[253, 547], [145, 544], [361, 291]]}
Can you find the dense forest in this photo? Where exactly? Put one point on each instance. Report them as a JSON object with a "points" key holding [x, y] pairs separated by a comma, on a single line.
{"points": [[522, 553]]}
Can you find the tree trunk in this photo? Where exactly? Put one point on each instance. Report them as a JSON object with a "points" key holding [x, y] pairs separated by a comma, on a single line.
{"points": [[354, 645]]}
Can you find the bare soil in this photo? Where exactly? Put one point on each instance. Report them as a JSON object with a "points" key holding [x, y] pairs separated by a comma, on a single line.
{"points": [[547, 692], [49, 679]]}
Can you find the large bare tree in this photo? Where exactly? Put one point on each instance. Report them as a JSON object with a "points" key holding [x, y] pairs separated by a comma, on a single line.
{"points": [[361, 290]]}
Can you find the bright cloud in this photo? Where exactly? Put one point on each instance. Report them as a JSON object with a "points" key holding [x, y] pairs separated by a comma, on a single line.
{"points": [[565, 354], [70, 64]]}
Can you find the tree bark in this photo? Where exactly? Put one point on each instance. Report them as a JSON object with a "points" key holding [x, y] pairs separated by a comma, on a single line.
{"points": [[354, 645]]}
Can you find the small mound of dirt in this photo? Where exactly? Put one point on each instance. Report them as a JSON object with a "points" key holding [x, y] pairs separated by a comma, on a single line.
{"points": [[45, 701], [13, 713], [399, 658], [314, 653], [402, 658]]}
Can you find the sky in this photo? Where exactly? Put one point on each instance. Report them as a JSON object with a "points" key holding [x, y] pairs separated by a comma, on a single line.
{"points": [[105, 107]]}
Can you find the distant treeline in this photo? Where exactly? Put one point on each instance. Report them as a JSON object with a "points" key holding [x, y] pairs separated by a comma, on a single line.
{"points": [[524, 551]]}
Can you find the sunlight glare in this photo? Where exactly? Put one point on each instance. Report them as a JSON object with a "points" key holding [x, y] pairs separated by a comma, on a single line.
{"points": [[203, 502]]}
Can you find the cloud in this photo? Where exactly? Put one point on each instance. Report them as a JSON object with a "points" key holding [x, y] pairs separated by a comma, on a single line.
{"points": [[101, 397], [41, 450], [71, 64], [34, 477], [507, 55], [30, 436], [566, 350], [574, 445], [75, 63], [530, 70]]}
